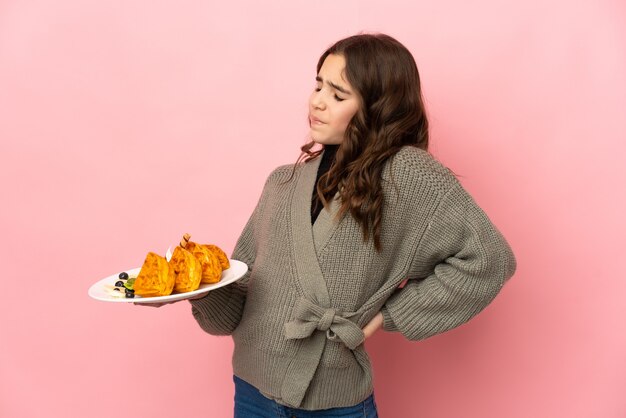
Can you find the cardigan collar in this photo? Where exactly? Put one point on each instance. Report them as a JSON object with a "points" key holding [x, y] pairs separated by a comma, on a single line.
{"points": [[308, 241], [316, 321]]}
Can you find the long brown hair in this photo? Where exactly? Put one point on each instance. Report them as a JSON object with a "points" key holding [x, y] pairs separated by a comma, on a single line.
{"points": [[385, 78]]}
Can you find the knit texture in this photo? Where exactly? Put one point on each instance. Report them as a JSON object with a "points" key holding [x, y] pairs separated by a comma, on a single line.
{"points": [[296, 318]]}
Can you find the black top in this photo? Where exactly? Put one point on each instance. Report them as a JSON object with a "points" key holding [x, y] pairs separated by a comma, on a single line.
{"points": [[327, 160]]}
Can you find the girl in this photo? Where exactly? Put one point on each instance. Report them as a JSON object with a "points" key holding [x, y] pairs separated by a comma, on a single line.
{"points": [[334, 236]]}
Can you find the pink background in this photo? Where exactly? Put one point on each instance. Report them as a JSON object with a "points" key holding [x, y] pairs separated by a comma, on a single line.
{"points": [[124, 124]]}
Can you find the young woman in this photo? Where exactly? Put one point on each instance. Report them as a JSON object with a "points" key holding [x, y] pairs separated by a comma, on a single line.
{"points": [[334, 236]]}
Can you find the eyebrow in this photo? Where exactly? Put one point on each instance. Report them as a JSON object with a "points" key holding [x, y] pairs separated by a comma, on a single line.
{"points": [[333, 85]]}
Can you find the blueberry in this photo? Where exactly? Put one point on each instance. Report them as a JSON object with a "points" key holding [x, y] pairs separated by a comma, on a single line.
{"points": [[127, 290], [123, 276], [117, 289], [119, 283], [130, 295]]}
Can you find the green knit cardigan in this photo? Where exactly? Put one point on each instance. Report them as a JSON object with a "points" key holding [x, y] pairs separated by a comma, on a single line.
{"points": [[296, 316]]}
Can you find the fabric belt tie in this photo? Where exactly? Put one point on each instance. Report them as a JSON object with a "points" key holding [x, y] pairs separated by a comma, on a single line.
{"points": [[310, 317]]}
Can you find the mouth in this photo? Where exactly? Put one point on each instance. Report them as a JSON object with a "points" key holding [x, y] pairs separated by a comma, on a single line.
{"points": [[315, 121]]}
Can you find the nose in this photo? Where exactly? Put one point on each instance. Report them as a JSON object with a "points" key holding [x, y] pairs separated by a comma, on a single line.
{"points": [[317, 101]]}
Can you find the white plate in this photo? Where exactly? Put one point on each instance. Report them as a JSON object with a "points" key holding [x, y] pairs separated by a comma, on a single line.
{"points": [[97, 291]]}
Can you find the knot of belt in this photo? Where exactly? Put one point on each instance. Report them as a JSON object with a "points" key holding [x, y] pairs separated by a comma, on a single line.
{"points": [[310, 317]]}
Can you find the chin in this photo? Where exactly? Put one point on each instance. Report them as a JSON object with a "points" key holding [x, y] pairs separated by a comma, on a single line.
{"points": [[325, 141]]}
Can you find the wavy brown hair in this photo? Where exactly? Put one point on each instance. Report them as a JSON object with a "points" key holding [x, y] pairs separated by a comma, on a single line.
{"points": [[385, 78]]}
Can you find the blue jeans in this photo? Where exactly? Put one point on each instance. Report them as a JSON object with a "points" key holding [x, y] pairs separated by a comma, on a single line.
{"points": [[250, 403]]}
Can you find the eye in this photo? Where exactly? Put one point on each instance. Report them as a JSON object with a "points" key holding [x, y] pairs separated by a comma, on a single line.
{"points": [[337, 98]]}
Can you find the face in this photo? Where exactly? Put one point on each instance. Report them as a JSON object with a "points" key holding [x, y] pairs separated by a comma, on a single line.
{"points": [[333, 103]]}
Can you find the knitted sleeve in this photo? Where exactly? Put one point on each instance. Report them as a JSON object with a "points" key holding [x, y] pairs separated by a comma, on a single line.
{"points": [[470, 262], [219, 312]]}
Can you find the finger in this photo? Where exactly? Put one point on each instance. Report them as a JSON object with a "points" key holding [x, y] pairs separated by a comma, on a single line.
{"points": [[152, 305]]}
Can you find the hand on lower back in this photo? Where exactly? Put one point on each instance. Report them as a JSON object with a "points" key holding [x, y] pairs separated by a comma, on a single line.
{"points": [[373, 325]]}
